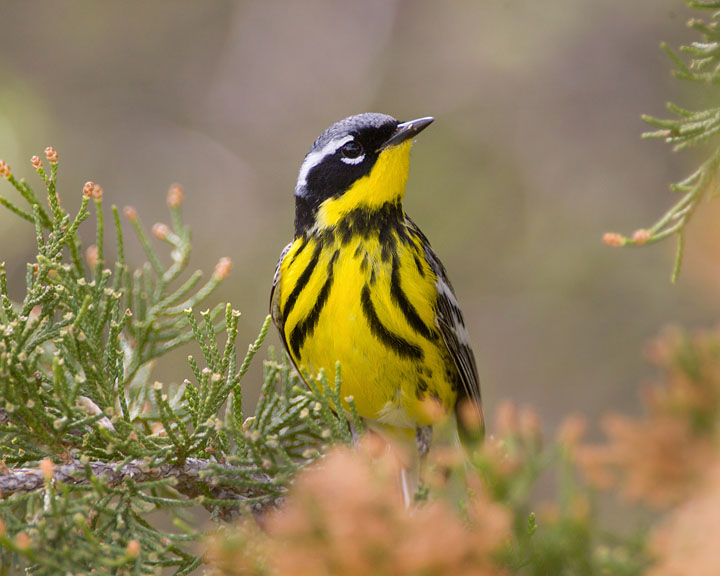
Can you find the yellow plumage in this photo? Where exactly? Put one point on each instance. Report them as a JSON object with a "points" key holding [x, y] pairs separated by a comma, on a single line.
{"points": [[360, 284]]}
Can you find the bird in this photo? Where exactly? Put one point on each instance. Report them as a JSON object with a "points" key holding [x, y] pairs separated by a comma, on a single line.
{"points": [[360, 285]]}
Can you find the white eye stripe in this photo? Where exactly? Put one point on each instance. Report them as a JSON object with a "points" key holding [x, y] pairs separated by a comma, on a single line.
{"points": [[354, 160], [316, 157]]}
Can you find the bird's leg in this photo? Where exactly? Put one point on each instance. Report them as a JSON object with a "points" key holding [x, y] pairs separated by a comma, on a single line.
{"points": [[423, 439]]}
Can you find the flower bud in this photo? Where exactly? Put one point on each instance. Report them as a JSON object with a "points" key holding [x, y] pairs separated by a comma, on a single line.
{"points": [[5, 169], [223, 267], [36, 162], [47, 468], [506, 419], [22, 541], [175, 196], [530, 426], [51, 155], [470, 416], [160, 230], [641, 236], [614, 239], [572, 430], [88, 189], [130, 213], [133, 548], [91, 255]]}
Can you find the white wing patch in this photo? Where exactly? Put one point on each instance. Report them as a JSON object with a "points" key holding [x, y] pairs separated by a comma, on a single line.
{"points": [[457, 324]]}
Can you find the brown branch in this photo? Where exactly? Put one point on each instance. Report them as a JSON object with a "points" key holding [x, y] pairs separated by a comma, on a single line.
{"points": [[192, 479]]}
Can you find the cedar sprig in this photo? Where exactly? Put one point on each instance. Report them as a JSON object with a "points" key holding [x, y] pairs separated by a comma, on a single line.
{"points": [[697, 62]]}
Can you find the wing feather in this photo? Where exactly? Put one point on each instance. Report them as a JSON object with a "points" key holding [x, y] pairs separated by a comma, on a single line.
{"points": [[451, 324], [275, 312]]}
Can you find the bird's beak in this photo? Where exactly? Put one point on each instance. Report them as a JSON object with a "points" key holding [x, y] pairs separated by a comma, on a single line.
{"points": [[407, 130]]}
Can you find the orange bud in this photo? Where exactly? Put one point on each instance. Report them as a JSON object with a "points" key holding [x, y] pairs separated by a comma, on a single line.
{"points": [[88, 189], [133, 548], [432, 408], [614, 239], [223, 267], [175, 196], [530, 426], [641, 236], [91, 255], [97, 192], [22, 541], [572, 430], [160, 230], [469, 415], [506, 418], [130, 213], [47, 468], [4, 169], [36, 162], [51, 155]]}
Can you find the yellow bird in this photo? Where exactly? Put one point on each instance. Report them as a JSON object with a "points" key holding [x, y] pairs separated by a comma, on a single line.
{"points": [[361, 285]]}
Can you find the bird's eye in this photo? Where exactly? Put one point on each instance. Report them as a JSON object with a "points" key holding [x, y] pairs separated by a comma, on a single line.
{"points": [[351, 150]]}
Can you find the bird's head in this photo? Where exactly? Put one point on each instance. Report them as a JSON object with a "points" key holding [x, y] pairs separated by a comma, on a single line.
{"points": [[361, 162]]}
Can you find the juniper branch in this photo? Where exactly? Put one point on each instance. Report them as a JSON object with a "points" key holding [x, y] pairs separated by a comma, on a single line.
{"points": [[77, 356], [687, 129], [193, 478]]}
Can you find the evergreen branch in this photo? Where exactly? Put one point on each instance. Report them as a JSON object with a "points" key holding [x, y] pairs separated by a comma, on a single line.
{"points": [[10, 206], [687, 129], [27, 193], [77, 355], [150, 252], [185, 477]]}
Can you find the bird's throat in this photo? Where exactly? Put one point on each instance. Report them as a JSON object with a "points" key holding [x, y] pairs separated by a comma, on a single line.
{"points": [[384, 185]]}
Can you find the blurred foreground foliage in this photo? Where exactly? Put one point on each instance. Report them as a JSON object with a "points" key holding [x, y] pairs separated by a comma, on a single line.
{"points": [[345, 515]]}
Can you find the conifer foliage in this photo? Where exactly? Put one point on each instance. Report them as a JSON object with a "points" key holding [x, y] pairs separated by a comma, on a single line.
{"points": [[90, 445], [698, 62]]}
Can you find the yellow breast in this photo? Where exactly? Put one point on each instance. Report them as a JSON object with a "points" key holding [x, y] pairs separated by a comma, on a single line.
{"points": [[351, 299]]}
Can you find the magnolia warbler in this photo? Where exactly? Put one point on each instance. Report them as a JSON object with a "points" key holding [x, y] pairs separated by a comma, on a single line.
{"points": [[361, 285]]}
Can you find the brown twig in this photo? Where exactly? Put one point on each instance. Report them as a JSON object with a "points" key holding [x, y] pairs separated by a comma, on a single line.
{"points": [[193, 478]]}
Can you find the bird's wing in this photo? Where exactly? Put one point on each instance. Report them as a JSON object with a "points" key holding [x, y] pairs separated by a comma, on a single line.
{"points": [[449, 321], [451, 324], [275, 305]]}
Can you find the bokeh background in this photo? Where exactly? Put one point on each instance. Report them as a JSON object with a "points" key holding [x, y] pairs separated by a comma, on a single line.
{"points": [[535, 153]]}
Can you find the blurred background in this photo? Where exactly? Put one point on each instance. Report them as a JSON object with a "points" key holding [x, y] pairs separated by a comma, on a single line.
{"points": [[535, 153]]}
